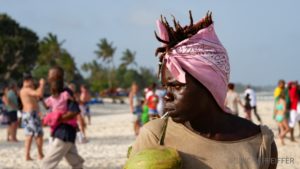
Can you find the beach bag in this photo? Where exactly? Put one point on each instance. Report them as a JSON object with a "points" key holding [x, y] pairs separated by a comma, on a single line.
{"points": [[160, 157]]}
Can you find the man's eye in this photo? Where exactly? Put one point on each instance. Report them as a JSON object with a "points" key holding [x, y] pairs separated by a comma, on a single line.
{"points": [[177, 87]]}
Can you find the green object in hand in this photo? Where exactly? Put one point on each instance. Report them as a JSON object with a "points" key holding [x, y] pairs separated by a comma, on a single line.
{"points": [[155, 158]]}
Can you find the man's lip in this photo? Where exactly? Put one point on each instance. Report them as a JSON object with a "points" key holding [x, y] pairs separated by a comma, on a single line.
{"points": [[169, 109]]}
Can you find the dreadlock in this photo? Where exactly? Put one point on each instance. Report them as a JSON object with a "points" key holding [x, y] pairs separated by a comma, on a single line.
{"points": [[178, 33]]}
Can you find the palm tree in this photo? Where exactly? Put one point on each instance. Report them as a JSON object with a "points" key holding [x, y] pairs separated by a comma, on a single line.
{"points": [[128, 58], [50, 50], [106, 52], [52, 53]]}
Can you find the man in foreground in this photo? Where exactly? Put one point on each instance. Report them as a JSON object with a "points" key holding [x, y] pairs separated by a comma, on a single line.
{"points": [[195, 72]]}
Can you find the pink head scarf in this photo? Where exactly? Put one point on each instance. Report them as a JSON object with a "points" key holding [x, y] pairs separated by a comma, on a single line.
{"points": [[204, 57]]}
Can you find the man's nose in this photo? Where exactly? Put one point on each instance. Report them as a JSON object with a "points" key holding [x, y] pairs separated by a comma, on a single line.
{"points": [[169, 97]]}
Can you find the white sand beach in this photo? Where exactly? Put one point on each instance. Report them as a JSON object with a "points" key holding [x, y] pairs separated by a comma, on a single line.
{"points": [[110, 135]]}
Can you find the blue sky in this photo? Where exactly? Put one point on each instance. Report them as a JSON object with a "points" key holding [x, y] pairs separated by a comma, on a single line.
{"points": [[262, 38]]}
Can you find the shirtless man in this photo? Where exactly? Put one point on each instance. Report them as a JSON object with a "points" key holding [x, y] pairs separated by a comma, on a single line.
{"points": [[33, 126]]}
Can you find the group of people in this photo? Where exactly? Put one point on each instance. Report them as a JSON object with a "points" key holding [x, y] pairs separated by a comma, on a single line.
{"points": [[66, 112], [249, 104], [145, 105], [287, 108]]}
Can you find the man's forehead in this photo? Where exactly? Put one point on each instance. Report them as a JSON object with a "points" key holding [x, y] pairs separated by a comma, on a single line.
{"points": [[54, 73], [167, 77]]}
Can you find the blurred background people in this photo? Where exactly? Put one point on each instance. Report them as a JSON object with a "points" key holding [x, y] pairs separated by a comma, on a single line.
{"points": [[135, 103], [252, 96], [85, 97], [10, 99], [280, 116], [233, 100]]}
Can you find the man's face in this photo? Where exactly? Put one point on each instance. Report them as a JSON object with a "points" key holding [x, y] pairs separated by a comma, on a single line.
{"points": [[181, 100], [29, 83], [54, 75], [51, 75]]}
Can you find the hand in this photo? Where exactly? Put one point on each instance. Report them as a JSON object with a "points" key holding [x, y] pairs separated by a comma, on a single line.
{"points": [[42, 82]]}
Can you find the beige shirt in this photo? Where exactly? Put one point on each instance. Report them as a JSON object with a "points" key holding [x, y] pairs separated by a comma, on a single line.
{"points": [[198, 152]]}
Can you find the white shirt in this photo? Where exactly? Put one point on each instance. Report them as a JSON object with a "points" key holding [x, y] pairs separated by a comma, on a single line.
{"points": [[252, 96]]}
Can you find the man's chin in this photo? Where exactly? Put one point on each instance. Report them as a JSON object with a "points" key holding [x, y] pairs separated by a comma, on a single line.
{"points": [[179, 119]]}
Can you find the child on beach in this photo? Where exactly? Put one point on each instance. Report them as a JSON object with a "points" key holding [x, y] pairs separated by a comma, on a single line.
{"points": [[57, 104]]}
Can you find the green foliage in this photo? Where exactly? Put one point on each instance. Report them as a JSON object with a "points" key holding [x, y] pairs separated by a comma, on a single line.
{"points": [[18, 49], [128, 58], [51, 54], [103, 77], [98, 79], [105, 51], [41, 71]]}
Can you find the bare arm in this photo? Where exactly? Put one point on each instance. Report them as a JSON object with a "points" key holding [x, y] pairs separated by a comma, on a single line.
{"points": [[131, 102], [39, 91], [225, 103], [275, 111], [239, 101], [44, 104], [284, 106], [67, 116], [4, 99]]}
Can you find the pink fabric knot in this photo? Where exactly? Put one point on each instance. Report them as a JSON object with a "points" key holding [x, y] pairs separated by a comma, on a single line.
{"points": [[204, 57]]}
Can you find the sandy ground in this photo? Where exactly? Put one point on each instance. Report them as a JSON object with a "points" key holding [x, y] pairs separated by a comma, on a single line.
{"points": [[110, 135]]}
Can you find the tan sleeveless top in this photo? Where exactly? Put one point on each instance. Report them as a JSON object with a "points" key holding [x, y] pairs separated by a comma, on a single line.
{"points": [[198, 152]]}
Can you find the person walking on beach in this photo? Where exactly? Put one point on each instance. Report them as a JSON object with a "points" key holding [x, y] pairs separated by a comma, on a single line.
{"points": [[85, 97], [57, 103], [11, 106], [80, 119], [152, 101], [252, 95], [282, 87], [298, 106], [31, 115], [280, 116], [294, 115], [195, 74], [277, 92], [232, 100], [248, 107], [136, 107], [64, 135]]}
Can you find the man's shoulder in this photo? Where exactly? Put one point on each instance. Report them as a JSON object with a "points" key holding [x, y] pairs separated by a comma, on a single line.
{"points": [[246, 127], [25, 90], [154, 126]]}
